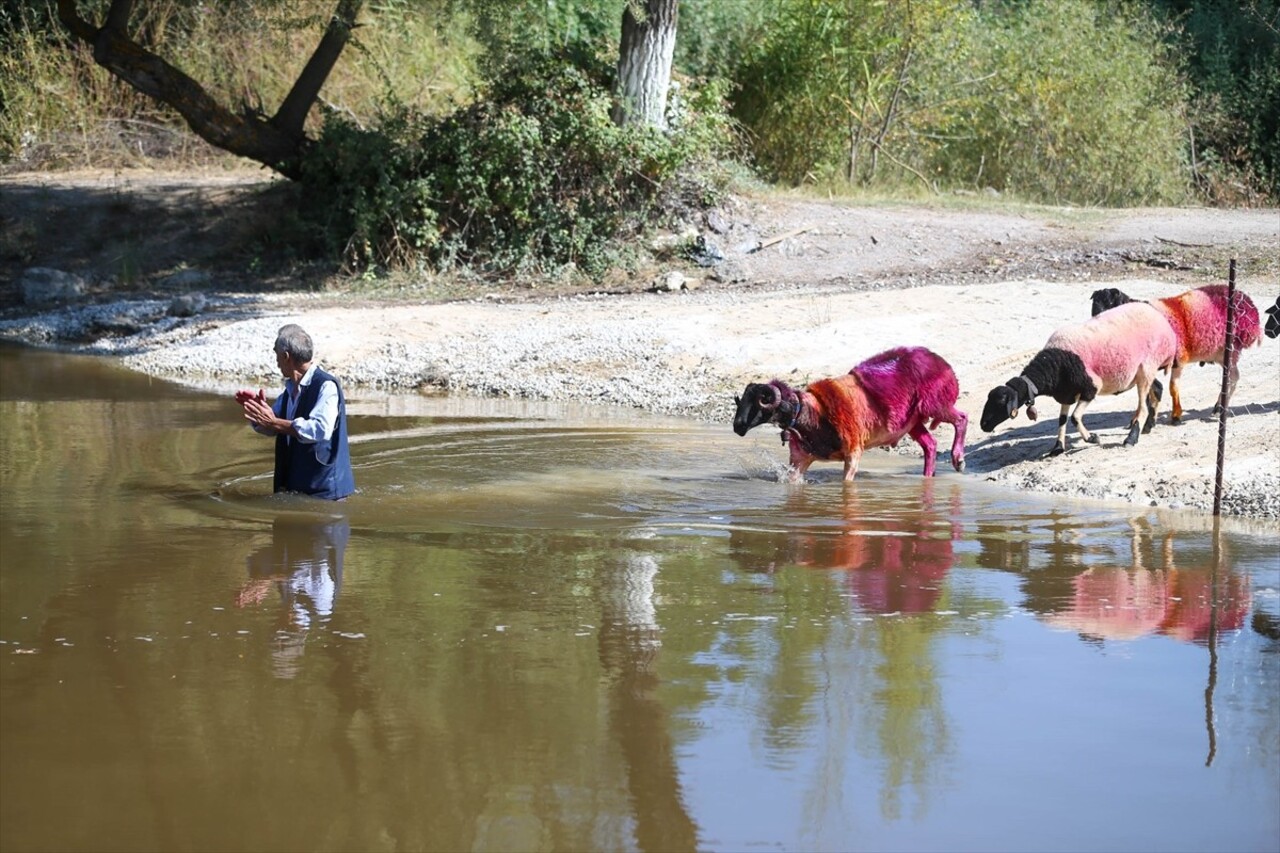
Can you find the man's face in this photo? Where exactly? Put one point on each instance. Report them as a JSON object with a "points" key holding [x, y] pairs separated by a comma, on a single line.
{"points": [[285, 363]]}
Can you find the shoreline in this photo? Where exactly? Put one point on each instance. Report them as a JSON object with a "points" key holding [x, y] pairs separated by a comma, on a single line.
{"points": [[686, 354]]}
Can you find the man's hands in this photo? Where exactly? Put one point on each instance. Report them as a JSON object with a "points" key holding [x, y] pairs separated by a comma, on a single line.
{"points": [[257, 411]]}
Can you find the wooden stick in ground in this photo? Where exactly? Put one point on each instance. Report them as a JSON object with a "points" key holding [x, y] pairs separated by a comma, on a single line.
{"points": [[1227, 353], [772, 240]]}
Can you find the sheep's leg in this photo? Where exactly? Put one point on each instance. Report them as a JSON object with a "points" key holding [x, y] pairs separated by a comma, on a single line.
{"points": [[1078, 417], [800, 458], [799, 467], [851, 465], [1234, 377], [925, 439], [1060, 446], [797, 472], [1144, 388], [1175, 398], [961, 423], [1153, 403]]}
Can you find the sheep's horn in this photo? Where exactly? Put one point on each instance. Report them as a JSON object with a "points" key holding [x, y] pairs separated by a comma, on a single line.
{"points": [[774, 397]]}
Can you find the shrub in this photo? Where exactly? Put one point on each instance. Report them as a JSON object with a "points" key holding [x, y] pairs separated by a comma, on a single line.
{"points": [[1078, 102], [532, 175], [60, 109], [1054, 100], [1233, 62]]}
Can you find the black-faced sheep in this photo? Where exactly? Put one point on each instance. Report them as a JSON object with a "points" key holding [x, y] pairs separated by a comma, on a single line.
{"points": [[1107, 354], [903, 391], [1199, 319], [1273, 320]]}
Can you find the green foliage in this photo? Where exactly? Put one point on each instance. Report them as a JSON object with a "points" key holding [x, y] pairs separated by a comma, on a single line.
{"points": [[715, 37], [1076, 101], [533, 175], [823, 93], [1233, 62], [61, 109], [507, 27], [1053, 100]]}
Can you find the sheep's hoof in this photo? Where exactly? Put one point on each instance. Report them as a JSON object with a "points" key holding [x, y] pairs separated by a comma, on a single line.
{"points": [[1093, 439], [1058, 450], [1175, 420], [1147, 427], [1133, 436], [959, 466]]}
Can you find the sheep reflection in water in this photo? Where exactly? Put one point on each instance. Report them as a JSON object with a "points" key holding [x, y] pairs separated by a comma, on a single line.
{"points": [[893, 563], [303, 565], [1121, 603]]}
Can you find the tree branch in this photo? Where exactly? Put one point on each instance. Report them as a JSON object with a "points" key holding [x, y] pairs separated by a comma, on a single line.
{"points": [[277, 143], [306, 89]]}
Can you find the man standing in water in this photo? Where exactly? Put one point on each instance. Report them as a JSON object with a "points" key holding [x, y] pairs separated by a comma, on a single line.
{"points": [[309, 421]]}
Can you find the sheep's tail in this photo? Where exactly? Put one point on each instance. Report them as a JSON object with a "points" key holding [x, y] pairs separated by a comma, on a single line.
{"points": [[1248, 321]]}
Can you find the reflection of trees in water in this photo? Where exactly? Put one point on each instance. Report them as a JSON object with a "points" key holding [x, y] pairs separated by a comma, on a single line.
{"points": [[629, 645], [876, 689], [532, 736]]}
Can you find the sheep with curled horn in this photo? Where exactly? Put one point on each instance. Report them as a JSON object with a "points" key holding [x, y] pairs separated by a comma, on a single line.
{"points": [[1198, 318], [902, 391]]}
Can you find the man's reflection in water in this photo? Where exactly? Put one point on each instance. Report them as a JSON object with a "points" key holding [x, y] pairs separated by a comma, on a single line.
{"points": [[303, 564]]}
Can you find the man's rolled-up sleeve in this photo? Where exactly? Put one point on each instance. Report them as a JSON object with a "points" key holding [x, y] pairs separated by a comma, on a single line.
{"points": [[319, 426]]}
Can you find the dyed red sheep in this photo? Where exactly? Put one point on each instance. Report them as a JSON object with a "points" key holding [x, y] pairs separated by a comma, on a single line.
{"points": [[1199, 320], [903, 391]]}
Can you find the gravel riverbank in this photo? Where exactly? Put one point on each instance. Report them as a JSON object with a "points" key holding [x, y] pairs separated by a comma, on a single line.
{"points": [[686, 354]]}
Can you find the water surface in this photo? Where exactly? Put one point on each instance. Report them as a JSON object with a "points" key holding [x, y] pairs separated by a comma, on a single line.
{"points": [[539, 627]]}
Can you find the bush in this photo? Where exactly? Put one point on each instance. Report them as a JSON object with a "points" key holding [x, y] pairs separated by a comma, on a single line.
{"points": [[534, 175], [1080, 102], [1233, 62], [1053, 100]]}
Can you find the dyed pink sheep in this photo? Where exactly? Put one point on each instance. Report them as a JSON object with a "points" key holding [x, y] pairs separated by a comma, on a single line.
{"points": [[1108, 354], [903, 391]]}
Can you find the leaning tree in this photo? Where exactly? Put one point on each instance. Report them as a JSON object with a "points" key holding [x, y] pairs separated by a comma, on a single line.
{"points": [[277, 141]]}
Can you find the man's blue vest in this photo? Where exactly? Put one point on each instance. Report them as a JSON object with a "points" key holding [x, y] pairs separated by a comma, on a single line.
{"points": [[300, 467]]}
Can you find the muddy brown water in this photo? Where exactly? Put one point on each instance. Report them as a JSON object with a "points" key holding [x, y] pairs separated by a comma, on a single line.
{"points": [[543, 628]]}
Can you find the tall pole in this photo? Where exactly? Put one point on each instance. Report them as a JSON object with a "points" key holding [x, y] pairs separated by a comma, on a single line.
{"points": [[1215, 571], [1228, 353]]}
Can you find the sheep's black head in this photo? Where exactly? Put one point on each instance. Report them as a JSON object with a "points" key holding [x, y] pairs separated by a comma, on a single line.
{"points": [[758, 405], [1107, 298], [1002, 404], [1273, 320]]}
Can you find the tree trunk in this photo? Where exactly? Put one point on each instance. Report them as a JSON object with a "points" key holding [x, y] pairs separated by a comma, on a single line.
{"points": [[644, 62], [277, 142]]}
